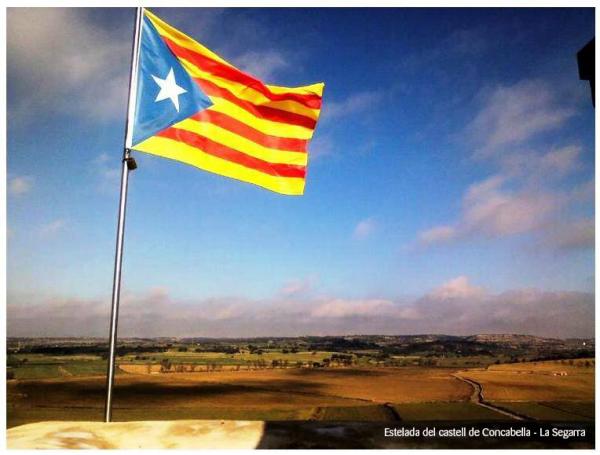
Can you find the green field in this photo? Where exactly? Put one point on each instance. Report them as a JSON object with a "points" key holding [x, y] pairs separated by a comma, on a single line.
{"points": [[552, 410], [446, 411], [40, 367], [219, 358], [377, 413]]}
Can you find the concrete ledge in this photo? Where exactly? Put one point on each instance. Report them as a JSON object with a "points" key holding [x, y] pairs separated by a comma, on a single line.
{"points": [[180, 434]]}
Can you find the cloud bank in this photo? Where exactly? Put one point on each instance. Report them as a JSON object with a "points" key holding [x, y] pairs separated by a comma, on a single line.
{"points": [[457, 307]]}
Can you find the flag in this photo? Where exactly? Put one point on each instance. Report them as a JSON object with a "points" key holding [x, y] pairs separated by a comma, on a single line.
{"points": [[192, 106]]}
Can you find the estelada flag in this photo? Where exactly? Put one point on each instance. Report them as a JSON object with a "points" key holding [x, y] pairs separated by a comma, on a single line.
{"points": [[192, 106]]}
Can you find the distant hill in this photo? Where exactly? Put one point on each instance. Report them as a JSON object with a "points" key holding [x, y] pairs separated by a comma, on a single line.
{"points": [[511, 347]]}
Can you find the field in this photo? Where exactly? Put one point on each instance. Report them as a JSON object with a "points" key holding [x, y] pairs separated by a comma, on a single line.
{"points": [[537, 381], [552, 410], [410, 394], [442, 411], [545, 391], [38, 366], [299, 386], [284, 394]]}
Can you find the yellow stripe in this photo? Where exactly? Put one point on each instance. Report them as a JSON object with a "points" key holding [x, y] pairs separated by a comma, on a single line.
{"points": [[179, 151], [247, 93], [265, 126], [314, 89], [182, 39], [239, 143]]}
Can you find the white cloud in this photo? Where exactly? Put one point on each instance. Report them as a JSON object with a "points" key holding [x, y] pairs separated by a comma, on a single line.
{"points": [[572, 235], [457, 288], [356, 107], [514, 114], [561, 161], [364, 228], [529, 192], [299, 287], [340, 308], [20, 185], [322, 145], [60, 58], [491, 209], [583, 192], [494, 211], [353, 104], [539, 167], [52, 228], [438, 234], [264, 65]]}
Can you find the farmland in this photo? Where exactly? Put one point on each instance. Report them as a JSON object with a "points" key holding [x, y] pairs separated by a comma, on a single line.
{"points": [[537, 381], [292, 394], [546, 391], [295, 380]]}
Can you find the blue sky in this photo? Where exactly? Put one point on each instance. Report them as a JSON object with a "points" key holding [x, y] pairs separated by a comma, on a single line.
{"points": [[451, 171]]}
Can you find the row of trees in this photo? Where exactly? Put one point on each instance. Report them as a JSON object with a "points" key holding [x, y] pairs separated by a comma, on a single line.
{"points": [[166, 366]]}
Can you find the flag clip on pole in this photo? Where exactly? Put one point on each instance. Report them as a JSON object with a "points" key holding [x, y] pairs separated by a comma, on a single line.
{"points": [[128, 164]]}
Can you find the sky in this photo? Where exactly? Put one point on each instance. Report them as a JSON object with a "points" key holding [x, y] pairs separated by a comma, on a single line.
{"points": [[450, 185]]}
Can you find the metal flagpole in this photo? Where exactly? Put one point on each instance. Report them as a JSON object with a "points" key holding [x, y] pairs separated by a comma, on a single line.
{"points": [[128, 164]]}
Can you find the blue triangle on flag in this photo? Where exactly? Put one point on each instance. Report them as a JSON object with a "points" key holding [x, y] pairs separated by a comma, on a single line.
{"points": [[166, 93]]}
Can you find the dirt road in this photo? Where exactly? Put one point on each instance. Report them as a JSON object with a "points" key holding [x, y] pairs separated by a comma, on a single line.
{"points": [[477, 398]]}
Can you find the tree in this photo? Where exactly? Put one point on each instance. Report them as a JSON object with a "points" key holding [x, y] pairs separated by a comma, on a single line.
{"points": [[165, 365]]}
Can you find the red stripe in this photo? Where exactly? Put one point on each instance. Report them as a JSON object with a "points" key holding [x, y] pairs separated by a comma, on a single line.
{"points": [[241, 129], [209, 65], [226, 153], [264, 112]]}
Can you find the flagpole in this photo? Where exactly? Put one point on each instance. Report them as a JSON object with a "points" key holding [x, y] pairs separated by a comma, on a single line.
{"points": [[128, 164]]}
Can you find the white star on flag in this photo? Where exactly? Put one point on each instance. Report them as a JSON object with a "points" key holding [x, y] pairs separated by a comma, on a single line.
{"points": [[169, 89]]}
